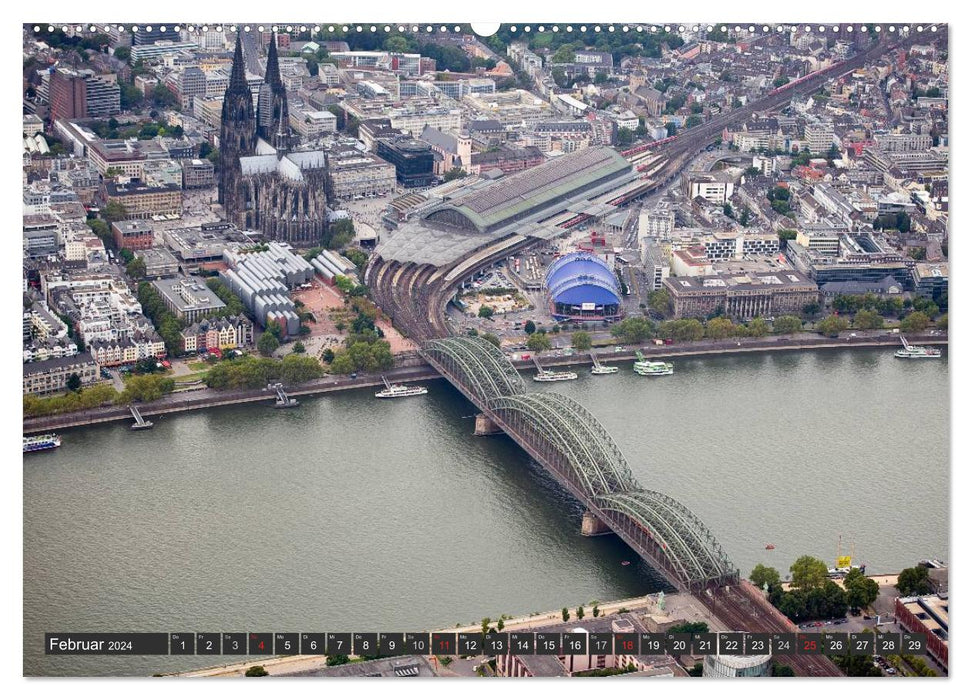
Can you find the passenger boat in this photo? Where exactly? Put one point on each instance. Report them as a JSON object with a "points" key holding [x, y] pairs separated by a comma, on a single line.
{"points": [[38, 443], [652, 368], [915, 351], [550, 376], [395, 391], [601, 369]]}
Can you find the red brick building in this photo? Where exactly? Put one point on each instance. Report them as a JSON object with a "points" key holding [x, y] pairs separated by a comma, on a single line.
{"points": [[926, 615], [133, 235], [68, 95]]}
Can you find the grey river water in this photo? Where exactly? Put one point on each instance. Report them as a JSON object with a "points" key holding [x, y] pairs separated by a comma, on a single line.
{"points": [[355, 514]]}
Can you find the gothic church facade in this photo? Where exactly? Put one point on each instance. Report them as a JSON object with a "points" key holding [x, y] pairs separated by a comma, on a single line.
{"points": [[265, 185]]}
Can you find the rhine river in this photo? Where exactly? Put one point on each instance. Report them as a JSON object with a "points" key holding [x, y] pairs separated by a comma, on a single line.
{"points": [[351, 513]]}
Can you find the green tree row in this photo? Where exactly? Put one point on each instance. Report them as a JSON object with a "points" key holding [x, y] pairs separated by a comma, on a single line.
{"points": [[143, 387], [251, 372], [915, 322]]}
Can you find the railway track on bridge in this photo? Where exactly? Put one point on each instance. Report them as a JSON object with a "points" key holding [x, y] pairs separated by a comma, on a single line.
{"points": [[576, 450]]}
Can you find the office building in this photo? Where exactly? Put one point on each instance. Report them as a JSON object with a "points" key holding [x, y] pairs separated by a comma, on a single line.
{"points": [[742, 296], [80, 94], [413, 160], [188, 297], [133, 235]]}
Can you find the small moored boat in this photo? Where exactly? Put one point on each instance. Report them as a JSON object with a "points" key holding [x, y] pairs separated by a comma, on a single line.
{"points": [[599, 368], [548, 375]]}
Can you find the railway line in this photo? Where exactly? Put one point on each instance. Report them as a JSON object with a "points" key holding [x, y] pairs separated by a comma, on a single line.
{"points": [[693, 140], [742, 608]]}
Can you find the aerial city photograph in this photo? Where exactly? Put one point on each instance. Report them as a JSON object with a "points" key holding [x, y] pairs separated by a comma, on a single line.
{"points": [[451, 350]]}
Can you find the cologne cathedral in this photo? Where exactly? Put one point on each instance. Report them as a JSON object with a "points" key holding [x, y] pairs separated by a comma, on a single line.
{"points": [[265, 185]]}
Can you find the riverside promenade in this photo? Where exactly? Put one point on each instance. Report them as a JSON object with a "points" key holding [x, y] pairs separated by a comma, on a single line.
{"points": [[679, 606], [415, 369]]}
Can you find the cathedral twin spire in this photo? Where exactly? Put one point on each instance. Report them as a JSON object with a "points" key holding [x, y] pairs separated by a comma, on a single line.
{"points": [[237, 78], [272, 65], [273, 120], [276, 206]]}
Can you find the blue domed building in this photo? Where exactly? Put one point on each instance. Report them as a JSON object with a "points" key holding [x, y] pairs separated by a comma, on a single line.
{"points": [[582, 287]]}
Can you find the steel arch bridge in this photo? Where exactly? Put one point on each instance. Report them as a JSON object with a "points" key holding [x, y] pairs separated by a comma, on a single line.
{"points": [[481, 366], [578, 451], [691, 546], [595, 462]]}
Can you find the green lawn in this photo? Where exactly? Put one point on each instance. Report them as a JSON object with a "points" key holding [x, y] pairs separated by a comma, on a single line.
{"points": [[189, 378]]}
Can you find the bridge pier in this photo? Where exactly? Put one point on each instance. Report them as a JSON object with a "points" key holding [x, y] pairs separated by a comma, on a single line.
{"points": [[485, 426], [592, 526]]}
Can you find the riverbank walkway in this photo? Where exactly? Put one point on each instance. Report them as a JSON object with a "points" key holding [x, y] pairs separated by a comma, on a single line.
{"points": [[416, 369]]}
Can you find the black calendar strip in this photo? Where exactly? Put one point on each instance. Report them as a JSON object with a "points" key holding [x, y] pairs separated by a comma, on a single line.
{"points": [[476, 644]]}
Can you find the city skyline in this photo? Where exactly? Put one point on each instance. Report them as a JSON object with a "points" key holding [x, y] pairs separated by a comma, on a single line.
{"points": [[257, 214]]}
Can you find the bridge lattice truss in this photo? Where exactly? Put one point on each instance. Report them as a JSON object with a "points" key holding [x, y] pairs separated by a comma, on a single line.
{"points": [[569, 440]]}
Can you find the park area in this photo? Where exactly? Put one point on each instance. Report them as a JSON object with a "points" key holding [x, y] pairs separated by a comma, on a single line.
{"points": [[334, 316]]}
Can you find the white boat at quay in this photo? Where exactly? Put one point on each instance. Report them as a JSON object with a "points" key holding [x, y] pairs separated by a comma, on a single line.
{"points": [[652, 368], [397, 391], [551, 376], [909, 351], [547, 375], [601, 369]]}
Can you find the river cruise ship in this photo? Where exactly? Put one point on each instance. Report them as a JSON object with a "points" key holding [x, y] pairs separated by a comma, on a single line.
{"points": [[909, 351], [38, 443], [396, 391], [652, 368]]}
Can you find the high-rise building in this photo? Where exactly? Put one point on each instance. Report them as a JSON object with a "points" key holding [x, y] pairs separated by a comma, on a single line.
{"points": [[413, 160], [819, 136], [78, 94], [153, 34], [188, 84]]}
